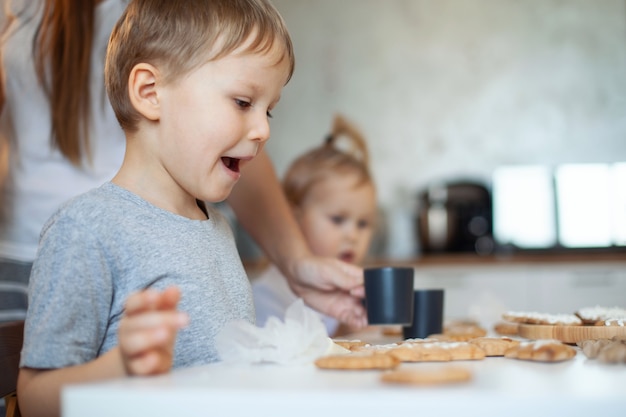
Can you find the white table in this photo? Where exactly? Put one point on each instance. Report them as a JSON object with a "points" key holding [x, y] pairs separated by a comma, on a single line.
{"points": [[500, 387]]}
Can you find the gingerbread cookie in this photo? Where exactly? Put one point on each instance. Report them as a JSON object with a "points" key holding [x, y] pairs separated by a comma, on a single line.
{"points": [[464, 351], [545, 350], [614, 352], [612, 322], [605, 350], [392, 331], [436, 351], [368, 348], [506, 328], [593, 315], [443, 375], [460, 323], [592, 347], [420, 352], [461, 332], [357, 361], [528, 317], [350, 344], [494, 346]]}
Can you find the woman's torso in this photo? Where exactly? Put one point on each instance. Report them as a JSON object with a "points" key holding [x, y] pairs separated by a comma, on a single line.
{"points": [[40, 179]]}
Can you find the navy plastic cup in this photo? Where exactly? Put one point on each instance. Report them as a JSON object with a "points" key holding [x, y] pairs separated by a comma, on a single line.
{"points": [[427, 316], [389, 295]]}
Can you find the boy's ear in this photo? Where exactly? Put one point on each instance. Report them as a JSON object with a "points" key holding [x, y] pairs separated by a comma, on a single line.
{"points": [[142, 88]]}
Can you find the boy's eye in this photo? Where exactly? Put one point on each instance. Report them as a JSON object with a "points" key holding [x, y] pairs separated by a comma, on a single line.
{"points": [[246, 104], [242, 103], [363, 224]]}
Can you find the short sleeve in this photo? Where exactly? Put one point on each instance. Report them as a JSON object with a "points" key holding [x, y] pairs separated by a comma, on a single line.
{"points": [[70, 293]]}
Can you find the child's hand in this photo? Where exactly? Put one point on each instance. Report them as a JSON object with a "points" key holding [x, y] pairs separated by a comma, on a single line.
{"points": [[332, 287], [148, 331]]}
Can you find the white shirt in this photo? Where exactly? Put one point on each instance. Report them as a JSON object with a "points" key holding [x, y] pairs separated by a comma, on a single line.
{"points": [[272, 297], [40, 179]]}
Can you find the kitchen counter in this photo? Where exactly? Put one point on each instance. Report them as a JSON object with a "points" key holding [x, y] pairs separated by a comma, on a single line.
{"points": [[500, 387], [599, 256]]}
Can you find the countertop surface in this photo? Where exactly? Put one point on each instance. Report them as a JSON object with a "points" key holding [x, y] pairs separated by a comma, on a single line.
{"points": [[499, 387], [512, 258]]}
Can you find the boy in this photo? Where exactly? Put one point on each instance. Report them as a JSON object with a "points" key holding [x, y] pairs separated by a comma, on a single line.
{"points": [[192, 86]]}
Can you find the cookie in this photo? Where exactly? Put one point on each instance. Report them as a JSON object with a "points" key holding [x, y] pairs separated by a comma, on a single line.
{"points": [[443, 375], [356, 361], [605, 350], [611, 322], [420, 352], [506, 328], [614, 352], [436, 351], [528, 317], [456, 337], [494, 346], [544, 350], [368, 348], [460, 322], [464, 351], [459, 333], [462, 332], [591, 348], [350, 344], [592, 315], [391, 331]]}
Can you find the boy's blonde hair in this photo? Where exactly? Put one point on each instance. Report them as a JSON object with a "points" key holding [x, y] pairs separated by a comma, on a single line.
{"points": [[178, 37], [329, 161]]}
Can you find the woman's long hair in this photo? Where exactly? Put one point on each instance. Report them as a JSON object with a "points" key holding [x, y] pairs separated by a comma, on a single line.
{"points": [[62, 54]]}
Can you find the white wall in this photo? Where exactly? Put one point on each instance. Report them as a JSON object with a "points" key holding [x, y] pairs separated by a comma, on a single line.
{"points": [[445, 88]]}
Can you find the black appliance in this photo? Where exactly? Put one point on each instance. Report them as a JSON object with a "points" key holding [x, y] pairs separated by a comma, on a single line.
{"points": [[455, 217]]}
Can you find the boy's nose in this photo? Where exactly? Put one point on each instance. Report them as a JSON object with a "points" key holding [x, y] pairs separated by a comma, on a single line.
{"points": [[261, 129]]}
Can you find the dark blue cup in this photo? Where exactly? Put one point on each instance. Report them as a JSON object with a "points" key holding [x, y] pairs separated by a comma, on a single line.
{"points": [[427, 314], [389, 295]]}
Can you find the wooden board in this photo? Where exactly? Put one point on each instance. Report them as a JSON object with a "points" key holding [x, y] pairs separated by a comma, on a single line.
{"points": [[570, 334]]}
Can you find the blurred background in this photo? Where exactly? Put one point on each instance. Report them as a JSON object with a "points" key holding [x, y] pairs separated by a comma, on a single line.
{"points": [[483, 117]]}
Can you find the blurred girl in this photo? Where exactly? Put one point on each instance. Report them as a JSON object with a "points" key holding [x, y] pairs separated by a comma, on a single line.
{"points": [[333, 198]]}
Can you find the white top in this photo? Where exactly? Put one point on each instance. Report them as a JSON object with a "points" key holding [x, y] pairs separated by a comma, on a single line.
{"points": [[40, 178], [500, 387]]}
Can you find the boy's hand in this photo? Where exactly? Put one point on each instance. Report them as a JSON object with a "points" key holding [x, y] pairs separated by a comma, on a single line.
{"points": [[147, 331]]}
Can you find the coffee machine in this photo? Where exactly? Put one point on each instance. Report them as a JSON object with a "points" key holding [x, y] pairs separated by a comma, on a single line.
{"points": [[455, 216]]}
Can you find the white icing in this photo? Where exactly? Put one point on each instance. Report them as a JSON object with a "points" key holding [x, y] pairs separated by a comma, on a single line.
{"points": [[600, 313], [537, 344], [380, 347], [546, 317]]}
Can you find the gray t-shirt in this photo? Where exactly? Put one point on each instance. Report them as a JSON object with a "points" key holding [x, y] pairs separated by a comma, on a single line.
{"points": [[108, 243]]}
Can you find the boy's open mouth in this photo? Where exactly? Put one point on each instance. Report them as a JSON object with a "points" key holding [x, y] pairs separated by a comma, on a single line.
{"points": [[231, 163]]}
